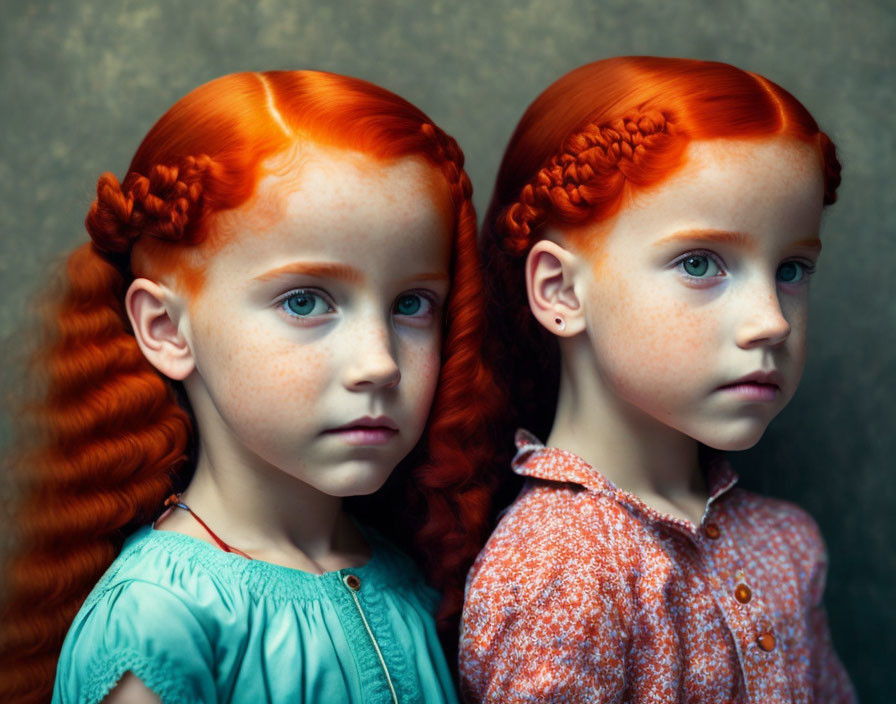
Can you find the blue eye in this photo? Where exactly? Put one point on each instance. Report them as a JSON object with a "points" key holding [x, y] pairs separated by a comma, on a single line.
{"points": [[699, 266], [303, 304], [793, 272], [412, 304], [408, 304]]}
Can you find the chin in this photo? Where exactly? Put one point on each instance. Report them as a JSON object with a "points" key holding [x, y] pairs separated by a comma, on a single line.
{"points": [[357, 479], [732, 442], [732, 436]]}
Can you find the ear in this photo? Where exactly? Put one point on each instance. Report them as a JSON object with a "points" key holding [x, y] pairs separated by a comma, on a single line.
{"points": [[550, 283], [155, 313]]}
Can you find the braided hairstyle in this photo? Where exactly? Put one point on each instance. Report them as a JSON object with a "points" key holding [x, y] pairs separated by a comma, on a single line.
{"points": [[591, 140], [108, 437]]}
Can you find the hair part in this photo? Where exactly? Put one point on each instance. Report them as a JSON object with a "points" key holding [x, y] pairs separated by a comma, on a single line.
{"points": [[614, 127]]}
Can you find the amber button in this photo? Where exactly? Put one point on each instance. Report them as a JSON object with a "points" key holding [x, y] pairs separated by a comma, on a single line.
{"points": [[352, 582], [743, 594], [766, 642], [712, 531]]}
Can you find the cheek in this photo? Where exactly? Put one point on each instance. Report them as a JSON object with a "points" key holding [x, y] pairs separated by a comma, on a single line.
{"points": [[256, 376], [434, 370], [797, 314], [420, 369], [652, 339], [428, 366]]}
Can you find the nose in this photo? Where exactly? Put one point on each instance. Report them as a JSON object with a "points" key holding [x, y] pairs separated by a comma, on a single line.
{"points": [[372, 362], [763, 324]]}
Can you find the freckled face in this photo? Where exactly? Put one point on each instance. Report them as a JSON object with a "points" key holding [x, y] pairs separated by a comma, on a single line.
{"points": [[697, 307], [316, 335]]}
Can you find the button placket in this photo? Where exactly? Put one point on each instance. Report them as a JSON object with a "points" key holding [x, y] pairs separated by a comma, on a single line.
{"points": [[353, 583], [765, 633], [743, 594], [766, 641], [743, 612]]}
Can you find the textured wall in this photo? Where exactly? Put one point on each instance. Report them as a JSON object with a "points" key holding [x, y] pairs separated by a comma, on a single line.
{"points": [[82, 81]]}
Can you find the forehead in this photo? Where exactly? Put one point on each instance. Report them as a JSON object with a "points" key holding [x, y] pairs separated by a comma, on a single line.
{"points": [[328, 204], [757, 187], [325, 184]]}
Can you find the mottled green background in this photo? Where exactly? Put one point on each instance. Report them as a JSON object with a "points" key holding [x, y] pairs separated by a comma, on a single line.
{"points": [[82, 81]]}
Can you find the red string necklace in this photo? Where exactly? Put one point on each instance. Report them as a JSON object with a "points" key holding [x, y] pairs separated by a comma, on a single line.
{"points": [[174, 501]]}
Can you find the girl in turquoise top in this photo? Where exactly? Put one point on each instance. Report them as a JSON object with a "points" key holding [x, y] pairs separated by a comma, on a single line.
{"points": [[274, 298]]}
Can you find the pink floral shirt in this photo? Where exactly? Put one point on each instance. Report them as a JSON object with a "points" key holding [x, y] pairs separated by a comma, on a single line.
{"points": [[586, 594]]}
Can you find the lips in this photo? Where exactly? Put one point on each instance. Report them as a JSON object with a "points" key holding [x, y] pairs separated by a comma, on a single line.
{"points": [[757, 386], [366, 431], [769, 378], [384, 422]]}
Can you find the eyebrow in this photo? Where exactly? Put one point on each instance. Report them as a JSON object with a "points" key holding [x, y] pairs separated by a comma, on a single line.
{"points": [[342, 272], [813, 243], [330, 270], [726, 237], [713, 236]]}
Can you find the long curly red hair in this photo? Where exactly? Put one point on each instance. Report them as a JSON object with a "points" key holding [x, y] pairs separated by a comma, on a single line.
{"points": [[108, 439], [595, 137]]}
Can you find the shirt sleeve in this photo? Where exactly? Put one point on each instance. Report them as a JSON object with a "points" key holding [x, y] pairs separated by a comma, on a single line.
{"points": [[541, 623], [830, 681], [142, 628]]}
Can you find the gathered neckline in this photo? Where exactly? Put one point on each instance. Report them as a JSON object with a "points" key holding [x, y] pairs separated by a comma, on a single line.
{"points": [[387, 567], [190, 539]]}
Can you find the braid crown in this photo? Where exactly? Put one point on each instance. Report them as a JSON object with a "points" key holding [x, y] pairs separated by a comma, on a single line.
{"points": [[589, 172], [159, 205]]}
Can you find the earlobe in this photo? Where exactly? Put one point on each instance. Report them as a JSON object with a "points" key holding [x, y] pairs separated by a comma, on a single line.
{"points": [[155, 312], [550, 284]]}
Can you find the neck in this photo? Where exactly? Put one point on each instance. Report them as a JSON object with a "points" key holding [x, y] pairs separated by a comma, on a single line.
{"points": [[262, 510], [257, 507], [634, 450]]}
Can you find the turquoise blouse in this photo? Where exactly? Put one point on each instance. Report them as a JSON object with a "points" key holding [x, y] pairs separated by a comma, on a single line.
{"points": [[197, 624]]}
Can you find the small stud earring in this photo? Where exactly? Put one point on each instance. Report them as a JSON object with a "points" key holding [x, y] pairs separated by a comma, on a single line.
{"points": [[561, 323]]}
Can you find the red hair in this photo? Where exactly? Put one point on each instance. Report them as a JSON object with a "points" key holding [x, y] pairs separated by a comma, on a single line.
{"points": [[112, 438], [596, 136]]}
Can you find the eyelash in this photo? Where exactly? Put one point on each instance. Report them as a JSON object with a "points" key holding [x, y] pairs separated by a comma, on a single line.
{"points": [[426, 296], [282, 303], [712, 256], [807, 266]]}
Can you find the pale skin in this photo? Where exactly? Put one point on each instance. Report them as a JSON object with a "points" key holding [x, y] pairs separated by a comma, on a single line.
{"points": [[323, 308], [696, 284]]}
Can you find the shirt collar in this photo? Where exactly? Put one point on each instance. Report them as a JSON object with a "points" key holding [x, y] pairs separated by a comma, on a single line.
{"points": [[533, 459]]}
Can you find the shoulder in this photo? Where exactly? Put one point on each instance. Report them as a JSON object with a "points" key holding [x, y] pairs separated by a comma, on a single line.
{"points": [[775, 520], [159, 567], [555, 545], [555, 528], [154, 614], [547, 613], [778, 533]]}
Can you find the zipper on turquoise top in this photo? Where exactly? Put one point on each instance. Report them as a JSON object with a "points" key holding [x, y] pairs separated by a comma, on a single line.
{"points": [[353, 584]]}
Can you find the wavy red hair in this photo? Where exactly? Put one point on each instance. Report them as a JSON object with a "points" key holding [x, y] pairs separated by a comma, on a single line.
{"points": [[108, 438], [595, 137]]}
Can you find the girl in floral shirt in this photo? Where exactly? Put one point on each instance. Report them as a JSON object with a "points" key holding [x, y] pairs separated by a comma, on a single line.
{"points": [[652, 234]]}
